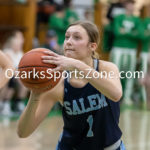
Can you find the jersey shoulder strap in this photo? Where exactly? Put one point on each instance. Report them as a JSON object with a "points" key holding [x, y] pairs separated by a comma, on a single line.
{"points": [[96, 64]]}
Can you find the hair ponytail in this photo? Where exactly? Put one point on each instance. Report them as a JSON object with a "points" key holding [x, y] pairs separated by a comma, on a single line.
{"points": [[95, 55]]}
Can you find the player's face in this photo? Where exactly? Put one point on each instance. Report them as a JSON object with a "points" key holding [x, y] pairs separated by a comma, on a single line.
{"points": [[76, 44]]}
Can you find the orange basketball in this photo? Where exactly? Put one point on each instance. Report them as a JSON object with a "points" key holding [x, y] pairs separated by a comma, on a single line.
{"points": [[36, 75]]}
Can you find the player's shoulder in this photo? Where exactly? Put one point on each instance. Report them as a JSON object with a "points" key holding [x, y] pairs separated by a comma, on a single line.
{"points": [[107, 66]]}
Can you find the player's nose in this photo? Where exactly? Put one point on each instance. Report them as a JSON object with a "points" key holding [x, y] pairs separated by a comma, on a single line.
{"points": [[69, 41]]}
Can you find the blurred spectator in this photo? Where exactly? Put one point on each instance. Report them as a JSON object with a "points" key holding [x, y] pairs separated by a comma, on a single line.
{"points": [[57, 23], [145, 82], [70, 15], [51, 42], [45, 9], [5, 64], [60, 20], [145, 38], [116, 9], [13, 49], [126, 29], [88, 15]]}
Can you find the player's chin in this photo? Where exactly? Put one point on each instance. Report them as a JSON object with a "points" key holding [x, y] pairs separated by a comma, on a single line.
{"points": [[70, 54]]}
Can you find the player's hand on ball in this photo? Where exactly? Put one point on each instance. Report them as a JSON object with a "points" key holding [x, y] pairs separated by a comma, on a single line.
{"points": [[62, 62]]}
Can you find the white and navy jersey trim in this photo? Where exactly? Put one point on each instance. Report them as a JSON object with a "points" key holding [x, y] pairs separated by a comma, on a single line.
{"points": [[96, 64], [90, 118]]}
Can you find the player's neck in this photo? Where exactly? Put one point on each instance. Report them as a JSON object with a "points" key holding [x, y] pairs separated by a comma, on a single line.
{"points": [[88, 61]]}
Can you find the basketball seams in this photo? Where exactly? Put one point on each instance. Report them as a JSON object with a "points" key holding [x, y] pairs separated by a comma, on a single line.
{"points": [[35, 51], [37, 82]]}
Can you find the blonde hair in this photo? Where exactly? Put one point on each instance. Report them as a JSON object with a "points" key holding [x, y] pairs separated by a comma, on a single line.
{"points": [[92, 31]]}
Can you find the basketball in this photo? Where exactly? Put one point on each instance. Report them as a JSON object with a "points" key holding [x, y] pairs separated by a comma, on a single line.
{"points": [[34, 74]]}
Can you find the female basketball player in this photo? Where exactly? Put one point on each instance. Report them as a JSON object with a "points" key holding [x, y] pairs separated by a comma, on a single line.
{"points": [[5, 64], [90, 105]]}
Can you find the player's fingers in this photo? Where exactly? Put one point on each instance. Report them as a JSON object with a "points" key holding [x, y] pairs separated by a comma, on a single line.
{"points": [[51, 53], [49, 58], [50, 62]]}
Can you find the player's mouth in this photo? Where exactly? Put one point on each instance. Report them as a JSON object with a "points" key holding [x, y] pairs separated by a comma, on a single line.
{"points": [[69, 49]]}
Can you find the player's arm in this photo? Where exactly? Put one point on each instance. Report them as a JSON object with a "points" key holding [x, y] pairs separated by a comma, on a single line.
{"points": [[110, 87], [39, 105], [5, 64], [108, 82]]}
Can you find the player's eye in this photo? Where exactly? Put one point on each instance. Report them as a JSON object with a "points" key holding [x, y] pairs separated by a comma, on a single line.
{"points": [[77, 37], [66, 37]]}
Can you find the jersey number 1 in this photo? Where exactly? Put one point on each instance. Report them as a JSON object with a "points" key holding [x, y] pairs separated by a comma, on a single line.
{"points": [[90, 122]]}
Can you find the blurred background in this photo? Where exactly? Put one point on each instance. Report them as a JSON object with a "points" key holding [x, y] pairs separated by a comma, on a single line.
{"points": [[124, 26]]}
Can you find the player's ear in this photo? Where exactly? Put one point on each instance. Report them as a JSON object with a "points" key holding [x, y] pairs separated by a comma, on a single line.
{"points": [[93, 46]]}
